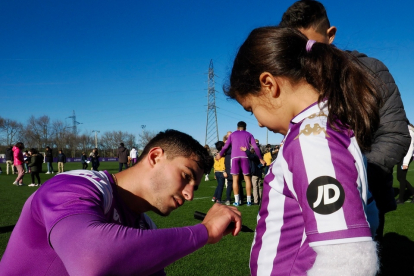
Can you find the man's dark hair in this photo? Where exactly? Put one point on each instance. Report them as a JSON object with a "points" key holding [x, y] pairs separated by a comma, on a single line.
{"points": [[242, 125], [219, 145], [121, 144], [175, 143], [305, 14]]}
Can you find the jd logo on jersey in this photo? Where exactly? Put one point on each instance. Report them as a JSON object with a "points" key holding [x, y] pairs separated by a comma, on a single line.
{"points": [[325, 195]]}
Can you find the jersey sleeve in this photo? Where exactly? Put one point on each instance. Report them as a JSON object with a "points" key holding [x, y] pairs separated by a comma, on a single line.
{"points": [[89, 246], [326, 177], [73, 212]]}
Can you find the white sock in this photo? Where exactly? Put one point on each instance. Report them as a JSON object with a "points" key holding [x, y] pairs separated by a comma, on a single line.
{"points": [[249, 198], [236, 198]]}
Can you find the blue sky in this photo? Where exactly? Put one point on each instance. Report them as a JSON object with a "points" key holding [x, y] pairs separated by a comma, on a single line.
{"points": [[123, 64]]}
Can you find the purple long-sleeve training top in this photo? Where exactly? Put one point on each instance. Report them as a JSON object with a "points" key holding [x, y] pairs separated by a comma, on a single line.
{"points": [[76, 224]]}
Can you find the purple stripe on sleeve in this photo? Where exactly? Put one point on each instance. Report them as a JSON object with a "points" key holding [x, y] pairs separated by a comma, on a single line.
{"points": [[294, 157], [341, 234], [261, 224], [347, 174], [290, 240]]}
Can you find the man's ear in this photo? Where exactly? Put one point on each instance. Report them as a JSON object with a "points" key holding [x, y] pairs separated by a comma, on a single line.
{"points": [[331, 32], [155, 155], [269, 84]]}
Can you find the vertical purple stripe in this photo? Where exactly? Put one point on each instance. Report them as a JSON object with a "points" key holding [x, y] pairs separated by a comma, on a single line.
{"points": [[347, 174], [294, 158], [290, 238], [261, 224]]}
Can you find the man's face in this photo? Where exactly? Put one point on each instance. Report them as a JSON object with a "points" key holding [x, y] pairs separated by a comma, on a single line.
{"points": [[174, 181]]}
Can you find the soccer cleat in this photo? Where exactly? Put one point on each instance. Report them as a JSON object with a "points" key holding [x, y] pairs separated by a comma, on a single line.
{"points": [[48, 173], [31, 185], [20, 184], [249, 203], [213, 199], [15, 183], [227, 202], [236, 204]]}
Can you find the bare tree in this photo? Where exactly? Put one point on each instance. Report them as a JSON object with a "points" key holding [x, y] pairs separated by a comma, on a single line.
{"points": [[110, 140], [145, 137], [60, 134], [37, 131], [10, 130], [86, 142], [129, 140]]}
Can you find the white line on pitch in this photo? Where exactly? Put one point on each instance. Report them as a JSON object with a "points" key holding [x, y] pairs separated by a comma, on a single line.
{"points": [[201, 197]]}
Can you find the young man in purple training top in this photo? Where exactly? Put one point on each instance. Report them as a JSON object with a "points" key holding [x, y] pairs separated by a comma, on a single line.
{"points": [[94, 223], [239, 161]]}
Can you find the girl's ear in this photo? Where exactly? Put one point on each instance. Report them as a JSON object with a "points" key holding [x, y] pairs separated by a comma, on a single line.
{"points": [[269, 84]]}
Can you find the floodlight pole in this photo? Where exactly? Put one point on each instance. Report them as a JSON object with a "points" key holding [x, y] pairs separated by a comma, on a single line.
{"points": [[96, 137]]}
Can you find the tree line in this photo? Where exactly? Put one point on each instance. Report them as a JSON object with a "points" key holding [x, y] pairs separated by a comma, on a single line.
{"points": [[40, 132]]}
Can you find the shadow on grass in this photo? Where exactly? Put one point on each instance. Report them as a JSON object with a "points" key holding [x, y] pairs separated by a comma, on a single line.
{"points": [[397, 255], [6, 229]]}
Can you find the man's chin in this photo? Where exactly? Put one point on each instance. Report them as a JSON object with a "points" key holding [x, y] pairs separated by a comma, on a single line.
{"points": [[163, 213]]}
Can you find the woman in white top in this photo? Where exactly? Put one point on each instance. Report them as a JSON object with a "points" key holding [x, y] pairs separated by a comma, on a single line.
{"points": [[402, 169]]}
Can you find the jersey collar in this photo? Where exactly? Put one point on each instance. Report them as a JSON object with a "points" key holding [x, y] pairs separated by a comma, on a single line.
{"points": [[312, 109]]}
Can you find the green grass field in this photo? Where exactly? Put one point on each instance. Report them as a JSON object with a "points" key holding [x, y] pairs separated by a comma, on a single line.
{"points": [[231, 255]]}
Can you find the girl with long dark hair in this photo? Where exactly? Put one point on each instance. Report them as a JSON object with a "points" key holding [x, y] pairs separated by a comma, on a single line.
{"points": [[312, 218]]}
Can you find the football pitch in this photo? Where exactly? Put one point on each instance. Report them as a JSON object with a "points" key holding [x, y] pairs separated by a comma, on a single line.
{"points": [[231, 255]]}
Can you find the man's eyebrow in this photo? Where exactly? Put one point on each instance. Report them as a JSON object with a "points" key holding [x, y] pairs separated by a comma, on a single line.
{"points": [[192, 175], [192, 172]]}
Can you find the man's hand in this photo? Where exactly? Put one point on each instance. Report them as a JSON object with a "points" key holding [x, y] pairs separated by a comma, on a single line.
{"points": [[243, 148], [263, 162], [218, 219], [404, 167]]}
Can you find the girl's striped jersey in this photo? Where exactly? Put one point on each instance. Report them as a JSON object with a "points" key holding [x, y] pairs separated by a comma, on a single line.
{"points": [[314, 194]]}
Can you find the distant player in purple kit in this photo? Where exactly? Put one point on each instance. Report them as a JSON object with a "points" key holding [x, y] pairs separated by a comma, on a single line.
{"points": [[239, 161], [94, 223], [311, 220]]}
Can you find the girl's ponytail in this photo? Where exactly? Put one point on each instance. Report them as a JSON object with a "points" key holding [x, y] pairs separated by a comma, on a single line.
{"points": [[350, 90]]}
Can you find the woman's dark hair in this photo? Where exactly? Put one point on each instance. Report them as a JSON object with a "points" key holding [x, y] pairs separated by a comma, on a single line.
{"points": [[19, 145], [33, 151], [339, 78]]}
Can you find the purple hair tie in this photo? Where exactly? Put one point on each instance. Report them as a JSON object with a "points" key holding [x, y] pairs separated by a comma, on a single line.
{"points": [[309, 45]]}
